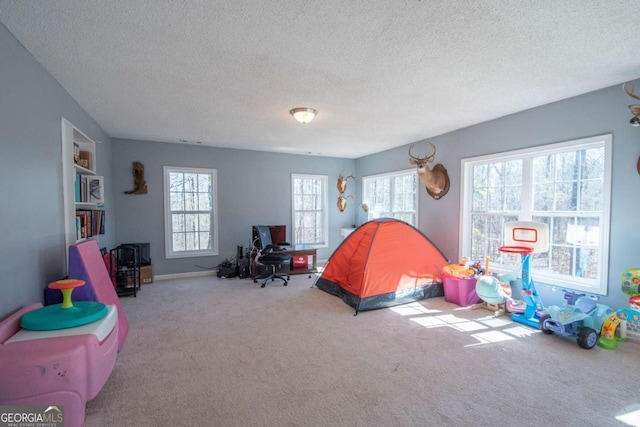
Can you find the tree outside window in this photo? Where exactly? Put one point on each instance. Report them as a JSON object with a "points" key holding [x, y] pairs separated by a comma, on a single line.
{"points": [[566, 186], [392, 195], [310, 210], [190, 219]]}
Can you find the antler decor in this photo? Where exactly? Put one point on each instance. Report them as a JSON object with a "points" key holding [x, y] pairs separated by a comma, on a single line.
{"points": [[635, 108], [436, 179], [342, 187], [342, 202], [342, 182]]}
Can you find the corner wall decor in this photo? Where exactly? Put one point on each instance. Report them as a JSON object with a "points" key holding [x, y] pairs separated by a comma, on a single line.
{"points": [[342, 187], [635, 108], [342, 202], [139, 184], [435, 179], [342, 182]]}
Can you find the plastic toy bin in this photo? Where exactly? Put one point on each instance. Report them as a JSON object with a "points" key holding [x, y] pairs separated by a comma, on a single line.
{"points": [[460, 290]]}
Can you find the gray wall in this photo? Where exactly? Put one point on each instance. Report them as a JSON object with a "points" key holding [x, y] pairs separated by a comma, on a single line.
{"points": [[32, 246], [253, 188], [595, 113]]}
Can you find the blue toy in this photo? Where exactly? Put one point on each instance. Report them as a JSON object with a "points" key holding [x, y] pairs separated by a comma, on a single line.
{"points": [[532, 302], [494, 290], [525, 238], [579, 317]]}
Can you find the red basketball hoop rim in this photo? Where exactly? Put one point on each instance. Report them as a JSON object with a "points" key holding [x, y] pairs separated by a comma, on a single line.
{"points": [[515, 249]]}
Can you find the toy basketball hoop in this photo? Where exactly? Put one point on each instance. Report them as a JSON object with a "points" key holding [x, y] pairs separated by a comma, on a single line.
{"points": [[524, 237], [515, 249]]}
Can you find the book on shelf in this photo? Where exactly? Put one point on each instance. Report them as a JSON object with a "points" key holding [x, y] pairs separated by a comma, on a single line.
{"points": [[89, 223], [82, 195], [78, 192], [76, 152], [89, 189]]}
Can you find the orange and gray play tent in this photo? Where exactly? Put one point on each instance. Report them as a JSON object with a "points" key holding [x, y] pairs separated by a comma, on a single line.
{"points": [[382, 263]]}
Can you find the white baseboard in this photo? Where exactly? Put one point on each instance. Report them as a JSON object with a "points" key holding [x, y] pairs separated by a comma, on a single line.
{"points": [[185, 275], [212, 272]]}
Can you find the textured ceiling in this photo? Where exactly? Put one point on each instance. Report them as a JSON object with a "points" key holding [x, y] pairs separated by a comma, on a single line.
{"points": [[381, 73]]}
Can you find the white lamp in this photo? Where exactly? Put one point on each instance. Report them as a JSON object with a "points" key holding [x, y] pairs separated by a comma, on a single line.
{"points": [[304, 115]]}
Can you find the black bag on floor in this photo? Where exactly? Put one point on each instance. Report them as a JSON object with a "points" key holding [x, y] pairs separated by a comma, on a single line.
{"points": [[226, 270]]}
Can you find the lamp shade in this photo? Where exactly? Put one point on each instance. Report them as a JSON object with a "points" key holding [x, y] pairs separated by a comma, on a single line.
{"points": [[304, 115]]}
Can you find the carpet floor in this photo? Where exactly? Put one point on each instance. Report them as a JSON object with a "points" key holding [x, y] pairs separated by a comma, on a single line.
{"points": [[224, 352]]}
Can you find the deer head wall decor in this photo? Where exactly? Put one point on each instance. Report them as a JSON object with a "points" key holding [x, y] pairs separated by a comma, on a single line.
{"points": [[342, 182], [435, 179], [342, 202], [635, 108]]}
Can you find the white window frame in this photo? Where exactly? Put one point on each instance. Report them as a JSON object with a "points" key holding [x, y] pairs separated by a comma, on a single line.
{"points": [[168, 230], [372, 212], [599, 285], [324, 179]]}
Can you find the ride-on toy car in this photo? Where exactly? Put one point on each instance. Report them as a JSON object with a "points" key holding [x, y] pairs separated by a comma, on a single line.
{"points": [[579, 317]]}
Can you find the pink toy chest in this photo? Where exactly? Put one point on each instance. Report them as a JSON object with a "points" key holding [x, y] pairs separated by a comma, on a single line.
{"points": [[63, 371], [460, 290]]}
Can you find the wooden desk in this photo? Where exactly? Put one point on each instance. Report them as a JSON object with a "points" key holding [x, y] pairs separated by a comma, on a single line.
{"points": [[295, 251], [310, 254]]}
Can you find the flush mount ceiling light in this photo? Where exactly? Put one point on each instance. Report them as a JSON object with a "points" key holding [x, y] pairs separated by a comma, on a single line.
{"points": [[304, 115]]}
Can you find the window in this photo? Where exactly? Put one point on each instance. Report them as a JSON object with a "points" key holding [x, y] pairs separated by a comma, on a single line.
{"points": [[310, 215], [565, 185], [392, 195], [191, 226]]}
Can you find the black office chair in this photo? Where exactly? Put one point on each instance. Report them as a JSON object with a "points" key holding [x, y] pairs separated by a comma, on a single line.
{"points": [[268, 255]]}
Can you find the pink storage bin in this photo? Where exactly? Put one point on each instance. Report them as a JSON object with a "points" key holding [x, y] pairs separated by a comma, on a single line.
{"points": [[460, 290]]}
